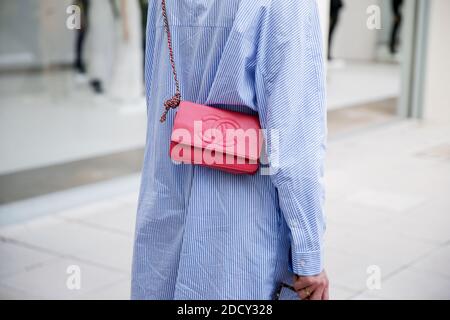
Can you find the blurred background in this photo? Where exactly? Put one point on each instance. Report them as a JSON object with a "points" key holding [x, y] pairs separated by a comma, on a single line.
{"points": [[73, 127]]}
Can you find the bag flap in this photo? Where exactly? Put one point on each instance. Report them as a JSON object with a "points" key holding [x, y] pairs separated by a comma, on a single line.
{"points": [[233, 133]]}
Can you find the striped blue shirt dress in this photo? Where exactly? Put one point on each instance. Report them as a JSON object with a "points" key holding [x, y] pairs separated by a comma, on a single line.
{"points": [[206, 234]]}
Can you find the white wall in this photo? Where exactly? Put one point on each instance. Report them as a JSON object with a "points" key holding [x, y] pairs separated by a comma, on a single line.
{"points": [[437, 79]]}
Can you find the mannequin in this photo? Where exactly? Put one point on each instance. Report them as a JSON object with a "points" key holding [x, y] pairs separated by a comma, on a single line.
{"points": [[396, 9], [335, 9], [79, 64], [101, 38], [126, 83]]}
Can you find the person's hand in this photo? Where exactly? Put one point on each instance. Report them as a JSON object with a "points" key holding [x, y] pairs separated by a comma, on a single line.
{"points": [[312, 287]]}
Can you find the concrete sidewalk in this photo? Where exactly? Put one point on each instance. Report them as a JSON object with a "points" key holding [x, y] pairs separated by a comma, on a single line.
{"points": [[388, 208]]}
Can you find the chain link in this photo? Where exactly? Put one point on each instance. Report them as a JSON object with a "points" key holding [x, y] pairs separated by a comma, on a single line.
{"points": [[173, 102]]}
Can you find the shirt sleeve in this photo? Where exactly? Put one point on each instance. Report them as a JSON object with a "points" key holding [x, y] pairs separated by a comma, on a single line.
{"points": [[290, 93]]}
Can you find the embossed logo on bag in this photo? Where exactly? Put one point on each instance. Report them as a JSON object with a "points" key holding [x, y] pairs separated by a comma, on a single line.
{"points": [[214, 130]]}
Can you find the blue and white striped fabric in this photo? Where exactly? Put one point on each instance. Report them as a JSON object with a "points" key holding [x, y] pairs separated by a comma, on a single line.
{"points": [[206, 234]]}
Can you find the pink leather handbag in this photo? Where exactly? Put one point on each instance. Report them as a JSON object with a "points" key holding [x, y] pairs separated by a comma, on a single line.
{"points": [[216, 138]]}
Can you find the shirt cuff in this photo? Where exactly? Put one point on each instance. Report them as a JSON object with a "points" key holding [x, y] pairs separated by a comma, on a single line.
{"points": [[306, 263]]}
